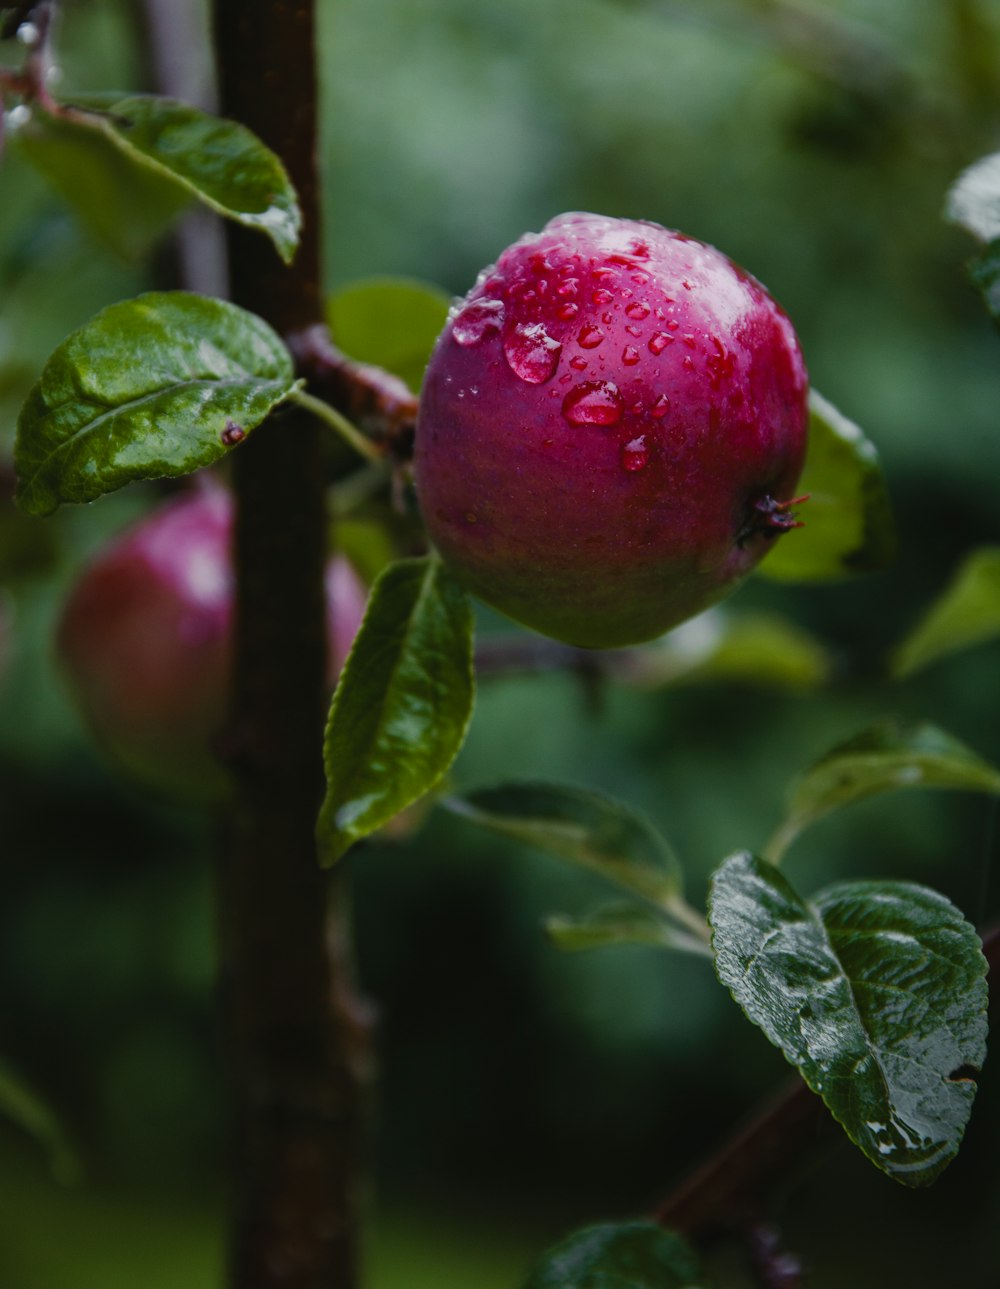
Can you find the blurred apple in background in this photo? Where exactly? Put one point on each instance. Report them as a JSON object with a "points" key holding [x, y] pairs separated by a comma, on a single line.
{"points": [[145, 639]]}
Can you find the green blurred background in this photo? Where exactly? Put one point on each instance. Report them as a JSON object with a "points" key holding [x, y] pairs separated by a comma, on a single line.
{"points": [[523, 1092]]}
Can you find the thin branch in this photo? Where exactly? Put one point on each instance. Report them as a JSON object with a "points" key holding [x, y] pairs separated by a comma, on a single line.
{"points": [[380, 403]]}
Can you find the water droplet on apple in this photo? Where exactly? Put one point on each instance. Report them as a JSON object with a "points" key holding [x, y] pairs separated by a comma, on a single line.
{"points": [[635, 455], [661, 407], [590, 337], [638, 309], [658, 341], [531, 353], [601, 296], [630, 355], [580, 364], [475, 320], [568, 312], [595, 402]]}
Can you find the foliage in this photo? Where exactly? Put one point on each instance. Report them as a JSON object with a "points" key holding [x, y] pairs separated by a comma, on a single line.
{"points": [[873, 989]]}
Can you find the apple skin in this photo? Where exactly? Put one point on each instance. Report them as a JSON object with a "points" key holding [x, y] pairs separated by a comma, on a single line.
{"points": [[610, 425], [145, 641]]}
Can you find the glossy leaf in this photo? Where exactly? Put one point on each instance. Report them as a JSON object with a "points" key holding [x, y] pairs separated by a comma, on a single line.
{"points": [[884, 757], [622, 923], [876, 991], [848, 518], [967, 613], [974, 200], [152, 387], [192, 153], [125, 206], [25, 1108], [391, 322], [402, 705], [586, 828], [618, 1255], [756, 649]]}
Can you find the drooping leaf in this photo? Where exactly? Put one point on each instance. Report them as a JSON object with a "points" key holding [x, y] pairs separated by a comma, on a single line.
{"points": [[402, 705], [886, 756], [974, 200], [193, 154], [622, 923], [984, 271], [848, 518], [390, 322], [967, 613], [157, 386], [876, 991], [759, 649], [26, 1108], [586, 828], [618, 1255], [127, 207]]}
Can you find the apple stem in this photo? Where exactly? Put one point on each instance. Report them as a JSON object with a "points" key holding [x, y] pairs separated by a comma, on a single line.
{"points": [[770, 518]]}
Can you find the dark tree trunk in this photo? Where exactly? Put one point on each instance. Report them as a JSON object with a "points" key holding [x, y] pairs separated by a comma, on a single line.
{"points": [[295, 1041]]}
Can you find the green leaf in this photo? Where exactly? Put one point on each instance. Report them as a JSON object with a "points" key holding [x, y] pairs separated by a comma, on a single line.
{"points": [[967, 613], [761, 649], [876, 991], [984, 271], [127, 207], [587, 828], [151, 387], [402, 705], [974, 200], [889, 755], [390, 322], [848, 517], [20, 1104], [219, 162], [622, 923], [617, 1255]]}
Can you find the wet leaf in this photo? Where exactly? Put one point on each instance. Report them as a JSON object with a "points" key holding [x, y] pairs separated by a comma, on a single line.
{"points": [[177, 151], [876, 991], [848, 518], [24, 1107], [622, 1255], [402, 705], [390, 322], [885, 757], [153, 387], [587, 828], [622, 923], [127, 207], [967, 613], [974, 200]]}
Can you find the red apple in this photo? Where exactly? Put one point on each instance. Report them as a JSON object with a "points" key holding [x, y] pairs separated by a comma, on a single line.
{"points": [[611, 428], [145, 639]]}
